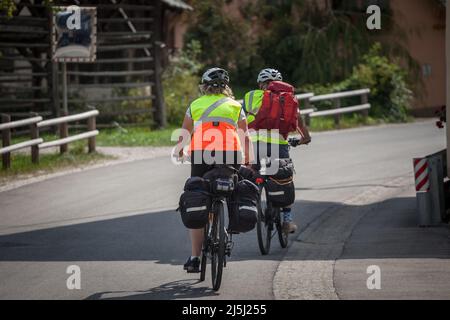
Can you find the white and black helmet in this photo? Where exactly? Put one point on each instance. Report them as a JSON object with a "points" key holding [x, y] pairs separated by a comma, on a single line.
{"points": [[269, 75], [216, 77]]}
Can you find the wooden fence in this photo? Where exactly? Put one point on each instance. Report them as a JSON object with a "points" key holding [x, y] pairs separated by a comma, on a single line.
{"points": [[35, 124]]}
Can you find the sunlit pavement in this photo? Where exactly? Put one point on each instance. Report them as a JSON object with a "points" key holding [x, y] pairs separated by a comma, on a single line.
{"points": [[119, 226]]}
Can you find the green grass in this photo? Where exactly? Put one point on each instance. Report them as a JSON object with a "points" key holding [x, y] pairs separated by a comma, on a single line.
{"points": [[141, 136], [145, 137], [21, 162], [123, 137], [135, 137], [346, 122]]}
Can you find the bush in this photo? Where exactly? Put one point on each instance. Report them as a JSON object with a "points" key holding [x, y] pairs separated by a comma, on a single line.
{"points": [[390, 95], [180, 82]]}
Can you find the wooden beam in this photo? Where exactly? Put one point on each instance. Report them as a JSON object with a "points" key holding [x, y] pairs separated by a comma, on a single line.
{"points": [[159, 109], [110, 73], [102, 48], [112, 99], [34, 100], [106, 6], [125, 60], [23, 45], [113, 85], [122, 20]]}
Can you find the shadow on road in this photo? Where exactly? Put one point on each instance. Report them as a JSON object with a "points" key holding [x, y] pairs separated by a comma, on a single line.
{"points": [[182, 289], [162, 238], [350, 186]]}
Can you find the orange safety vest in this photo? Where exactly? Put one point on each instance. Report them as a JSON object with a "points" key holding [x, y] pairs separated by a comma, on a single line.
{"points": [[215, 123]]}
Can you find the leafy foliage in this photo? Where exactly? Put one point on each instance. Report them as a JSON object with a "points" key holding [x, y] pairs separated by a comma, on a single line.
{"points": [[316, 45], [305, 41], [7, 7], [180, 81], [225, 40], [390, 93]]}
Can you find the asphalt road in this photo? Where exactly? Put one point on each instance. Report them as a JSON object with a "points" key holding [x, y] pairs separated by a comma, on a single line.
{"points": [[119, 226]]}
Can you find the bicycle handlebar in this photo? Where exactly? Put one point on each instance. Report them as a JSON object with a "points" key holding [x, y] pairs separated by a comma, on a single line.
{"points": [[294, 142]]}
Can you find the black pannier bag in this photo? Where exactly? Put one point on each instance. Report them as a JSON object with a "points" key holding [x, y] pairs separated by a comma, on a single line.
{"points": [[243, 207], [280, 187], [280, 193], [247, 173], [222, 180], [195, 203]]}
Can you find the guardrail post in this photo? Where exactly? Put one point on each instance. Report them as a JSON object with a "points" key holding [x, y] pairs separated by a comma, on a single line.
{"points": [[422, 182], [6, 141], [34, 149], [91, 127], [63, 133], [337, 105], [436, 169], [365, 100]]}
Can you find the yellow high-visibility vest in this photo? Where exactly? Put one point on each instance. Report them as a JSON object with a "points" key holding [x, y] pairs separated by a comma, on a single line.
{"points": [[219, 115]]}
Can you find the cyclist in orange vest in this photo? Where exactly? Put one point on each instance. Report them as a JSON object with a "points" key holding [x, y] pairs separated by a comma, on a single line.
{"points": [[218, 132]]}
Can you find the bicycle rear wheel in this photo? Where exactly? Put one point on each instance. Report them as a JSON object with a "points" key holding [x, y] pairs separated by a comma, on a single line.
{"points": [[217, 245], [283, 237], [264, 224]]}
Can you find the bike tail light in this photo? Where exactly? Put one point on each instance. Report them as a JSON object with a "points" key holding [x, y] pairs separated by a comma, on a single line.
{"points": [[259, 180]]}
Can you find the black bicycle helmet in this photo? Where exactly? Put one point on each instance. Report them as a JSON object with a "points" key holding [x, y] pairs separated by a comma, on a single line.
{"points": [[216, 77]]}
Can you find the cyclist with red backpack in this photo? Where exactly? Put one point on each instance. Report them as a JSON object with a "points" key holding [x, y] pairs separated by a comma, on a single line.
{"points": [[272, 113]]}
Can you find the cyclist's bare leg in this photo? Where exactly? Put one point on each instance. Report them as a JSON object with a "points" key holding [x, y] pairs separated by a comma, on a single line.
{"points": [[197, 236]]}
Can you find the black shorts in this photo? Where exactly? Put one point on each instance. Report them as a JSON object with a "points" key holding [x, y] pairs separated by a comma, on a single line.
{"points": [[203, 161]]}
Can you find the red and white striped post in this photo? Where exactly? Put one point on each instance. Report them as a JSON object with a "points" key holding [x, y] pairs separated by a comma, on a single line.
{"points": [[422, 179], [421, 175]]}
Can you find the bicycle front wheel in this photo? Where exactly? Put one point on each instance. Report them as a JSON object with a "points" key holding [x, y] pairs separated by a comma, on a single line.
{"points": [[204, 253], [264, 223], [218, 245]]}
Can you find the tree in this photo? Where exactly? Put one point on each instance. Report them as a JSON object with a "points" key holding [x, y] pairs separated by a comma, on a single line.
{"points": [[225, 40]]}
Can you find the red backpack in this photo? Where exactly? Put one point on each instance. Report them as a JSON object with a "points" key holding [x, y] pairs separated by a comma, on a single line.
{"points": [[279, 109]]}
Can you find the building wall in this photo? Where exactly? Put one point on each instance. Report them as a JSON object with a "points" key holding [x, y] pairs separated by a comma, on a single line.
{"points": [[424, 24]]}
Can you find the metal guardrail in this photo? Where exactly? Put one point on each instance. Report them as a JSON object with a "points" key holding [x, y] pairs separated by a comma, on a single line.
{"points": [[308, 110], [337, 107], [37, 143], [340, 95]]}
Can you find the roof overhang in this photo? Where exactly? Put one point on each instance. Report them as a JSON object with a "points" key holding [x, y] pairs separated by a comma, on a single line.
{"points": [[178, 4]]}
